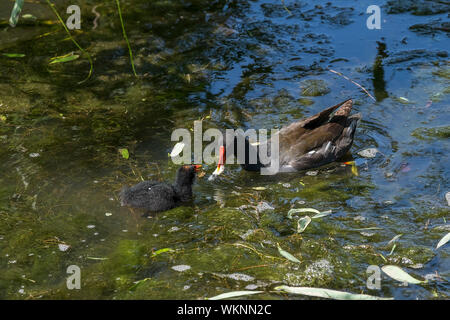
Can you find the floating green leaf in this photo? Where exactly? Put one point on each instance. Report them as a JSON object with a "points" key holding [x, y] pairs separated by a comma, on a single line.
{"points": [[124, 152], [287, 255], [65, 58], [398, 274], [303, 223], [157, 252], [14, 18], [233, 294], [14, 55], [443, 241], [328, 293], [292, 211]]}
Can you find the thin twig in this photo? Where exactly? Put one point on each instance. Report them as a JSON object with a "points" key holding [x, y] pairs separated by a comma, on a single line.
{"points": [[355, 83]]}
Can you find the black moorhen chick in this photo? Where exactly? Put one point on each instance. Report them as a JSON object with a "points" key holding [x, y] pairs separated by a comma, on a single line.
{"points": [[309, 143], [156, 196]]}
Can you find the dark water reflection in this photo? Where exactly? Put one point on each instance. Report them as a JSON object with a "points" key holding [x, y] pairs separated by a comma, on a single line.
{"points": [[379, 85], [233, 64]]}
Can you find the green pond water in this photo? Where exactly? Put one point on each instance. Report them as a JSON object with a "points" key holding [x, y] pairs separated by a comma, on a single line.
{"points": [[234, 64]]}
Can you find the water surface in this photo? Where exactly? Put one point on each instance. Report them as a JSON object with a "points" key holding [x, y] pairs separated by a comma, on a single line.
{"points": [[245, 64]]}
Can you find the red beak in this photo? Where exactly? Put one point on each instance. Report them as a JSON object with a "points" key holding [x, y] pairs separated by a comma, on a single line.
{"points": [[221, 156], [197, 167], [220, 165]]}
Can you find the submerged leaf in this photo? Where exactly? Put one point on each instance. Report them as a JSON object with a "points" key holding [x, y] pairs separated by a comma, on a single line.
{"points": [[443, 241], [259, 188], [303, 223], [368, 228], [157, 252], [14, 55], [287, 255], [138, 283], [95, 258], [398, 274], [292, 211], [233, 294], [65, 58], [28, 16], [322, 214], [124, 152], [328, 293]]}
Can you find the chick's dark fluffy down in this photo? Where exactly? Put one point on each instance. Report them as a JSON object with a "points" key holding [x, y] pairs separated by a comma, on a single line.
{"points": [[150, 195]]}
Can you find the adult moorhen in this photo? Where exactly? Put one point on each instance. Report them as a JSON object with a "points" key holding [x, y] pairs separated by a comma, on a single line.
{"points": [[308, 143], [156, 196]]}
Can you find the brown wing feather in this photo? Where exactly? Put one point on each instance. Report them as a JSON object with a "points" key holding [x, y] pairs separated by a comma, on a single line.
{"points": [[312, 140], [305, 135], [329, 151], [345, 109], [291, 133]]}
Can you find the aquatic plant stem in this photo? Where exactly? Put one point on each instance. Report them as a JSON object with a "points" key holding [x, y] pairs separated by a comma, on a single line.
{"points": [[15, 13], [52, 6], [126, 38]]}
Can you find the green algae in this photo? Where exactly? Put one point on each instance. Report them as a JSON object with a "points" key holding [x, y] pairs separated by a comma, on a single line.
{"points": [[77, 131], [314, 88], [432, 133]]}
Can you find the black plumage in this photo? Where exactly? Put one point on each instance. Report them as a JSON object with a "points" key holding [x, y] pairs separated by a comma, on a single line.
{"points": [[154, 196]]}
